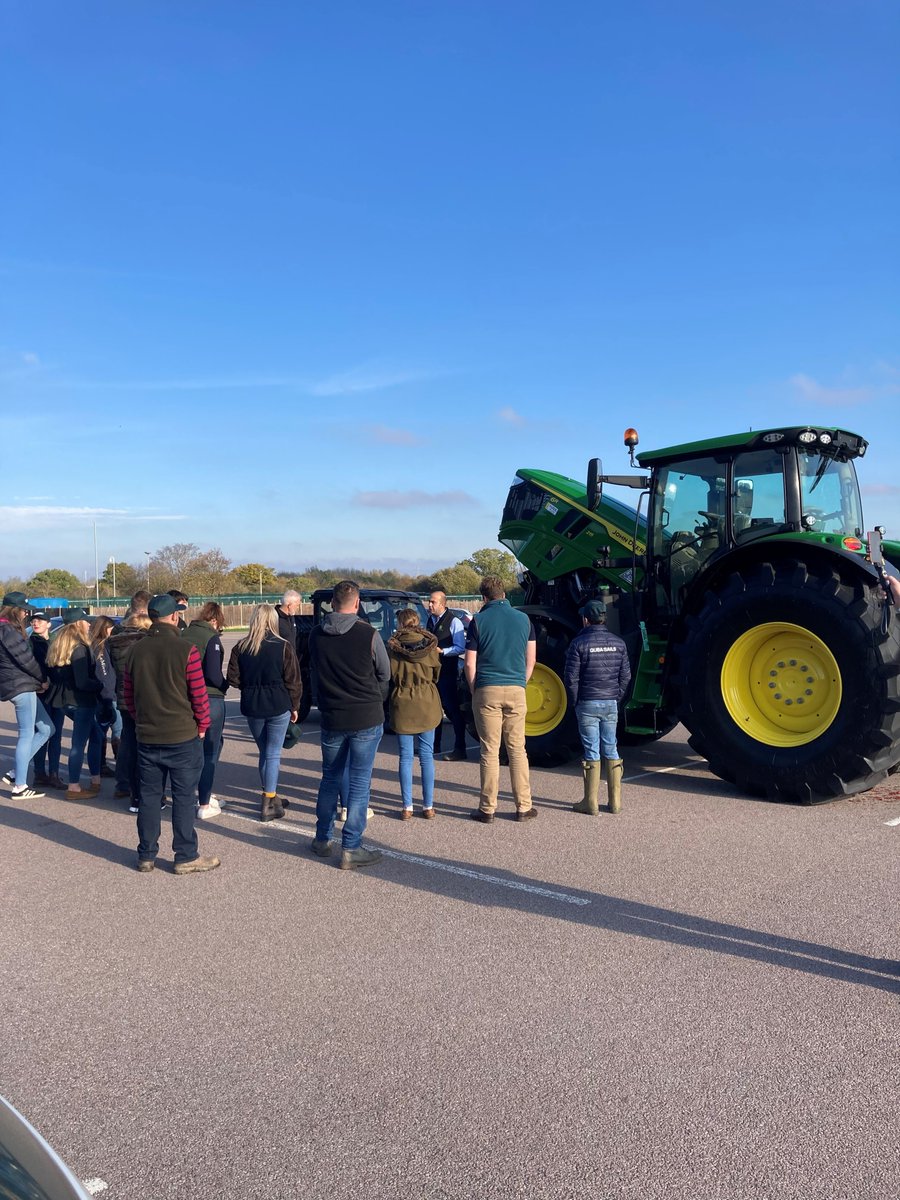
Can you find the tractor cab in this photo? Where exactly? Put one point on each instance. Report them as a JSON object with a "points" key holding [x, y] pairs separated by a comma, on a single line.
{"points": [[709, 498]]}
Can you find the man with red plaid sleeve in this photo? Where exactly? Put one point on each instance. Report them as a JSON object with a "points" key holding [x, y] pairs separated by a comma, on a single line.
{"points": [[166, 695]]}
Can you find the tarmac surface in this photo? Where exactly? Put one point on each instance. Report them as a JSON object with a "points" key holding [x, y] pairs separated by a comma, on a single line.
{"points": [[697, 998]]}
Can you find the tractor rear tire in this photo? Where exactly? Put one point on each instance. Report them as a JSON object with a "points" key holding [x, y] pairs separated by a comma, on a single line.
{"points": [[787, 683], [551, 732]]}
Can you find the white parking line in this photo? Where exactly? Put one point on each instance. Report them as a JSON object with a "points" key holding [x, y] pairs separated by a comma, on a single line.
{"points": [[450, 868], [94, 1186], [661, 770], [893, 821]]}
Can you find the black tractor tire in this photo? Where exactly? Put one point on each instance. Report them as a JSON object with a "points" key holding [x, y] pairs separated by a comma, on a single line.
{"points": [[548, 704], [851, 740], [547, 701]]}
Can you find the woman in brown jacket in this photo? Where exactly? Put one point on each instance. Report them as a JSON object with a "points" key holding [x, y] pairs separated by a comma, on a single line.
{"points": [[415, 704]]}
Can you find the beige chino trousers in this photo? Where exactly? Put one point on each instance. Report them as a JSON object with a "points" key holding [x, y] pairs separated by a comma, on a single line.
{"points": [[499, 714]]}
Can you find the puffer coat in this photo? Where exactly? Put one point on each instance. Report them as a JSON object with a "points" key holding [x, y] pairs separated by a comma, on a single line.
{"points": [[19, 669]]}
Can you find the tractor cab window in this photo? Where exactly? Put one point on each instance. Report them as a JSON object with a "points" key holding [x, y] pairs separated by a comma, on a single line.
{"points": [[758, 497], [689, 515], [829, 495]]}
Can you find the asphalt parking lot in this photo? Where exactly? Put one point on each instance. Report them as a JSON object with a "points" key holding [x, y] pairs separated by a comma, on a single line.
{"points": [[698, 998]]}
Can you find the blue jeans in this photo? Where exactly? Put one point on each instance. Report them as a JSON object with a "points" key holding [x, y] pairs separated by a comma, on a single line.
{"points": [[424, 744], [85, 732], [597, 721], [340, 748], [268, 733], [212, 748], [34, 726], [181, 765]]}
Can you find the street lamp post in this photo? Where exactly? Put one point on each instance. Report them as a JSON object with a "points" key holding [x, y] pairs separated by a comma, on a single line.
{"points": [[147, 552], [112, 563], [96, 568]]}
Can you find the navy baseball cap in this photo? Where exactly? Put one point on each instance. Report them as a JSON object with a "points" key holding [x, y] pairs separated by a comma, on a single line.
{"points": [[593, 610], [70, 615], [163, 606]]}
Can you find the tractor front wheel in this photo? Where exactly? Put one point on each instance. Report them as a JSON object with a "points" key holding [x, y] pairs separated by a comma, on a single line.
{"points": [[788, 684]]}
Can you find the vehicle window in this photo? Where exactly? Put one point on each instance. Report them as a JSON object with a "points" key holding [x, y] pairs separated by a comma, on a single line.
{"points": [[690, 516], [758, 492], [829, 493]]}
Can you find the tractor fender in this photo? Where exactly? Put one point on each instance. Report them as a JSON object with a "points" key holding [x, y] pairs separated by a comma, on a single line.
{"points": [[772, 550]]}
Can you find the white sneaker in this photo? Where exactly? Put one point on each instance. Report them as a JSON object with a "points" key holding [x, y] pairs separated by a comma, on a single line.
{"points": [[341, 816], [205, 811], [369, 814], [218, 801], [10, 777]]}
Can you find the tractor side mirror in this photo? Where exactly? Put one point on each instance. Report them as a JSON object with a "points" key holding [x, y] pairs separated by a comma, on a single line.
{"points": [[594, 484]]}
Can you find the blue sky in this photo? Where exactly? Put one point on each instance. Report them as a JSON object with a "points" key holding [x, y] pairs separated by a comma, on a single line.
{"points": [[308, 282]]}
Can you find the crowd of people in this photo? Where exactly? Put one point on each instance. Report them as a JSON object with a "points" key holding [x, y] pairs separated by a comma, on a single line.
{"points": [[152, 690]]}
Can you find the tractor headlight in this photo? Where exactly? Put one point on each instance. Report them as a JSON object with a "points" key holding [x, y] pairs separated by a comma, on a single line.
{"points": [[825, 439], [807, 437]]}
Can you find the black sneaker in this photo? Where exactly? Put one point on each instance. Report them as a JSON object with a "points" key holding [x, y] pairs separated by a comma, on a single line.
{"points": [[483, 817], [526, 814], [26, 793], [455, 756], [322, 849]]}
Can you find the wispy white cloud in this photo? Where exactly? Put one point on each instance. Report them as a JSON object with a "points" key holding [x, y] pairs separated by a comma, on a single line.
{"points": [[856, 385], [812, 392], [48, 516], [881, 489], [413, 499], [368, 378], [385, 436], [509, 416], [213, 383], [30, 359]]}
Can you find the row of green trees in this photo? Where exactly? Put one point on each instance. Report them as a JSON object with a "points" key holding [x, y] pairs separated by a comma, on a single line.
{"points": [[211, 573]]}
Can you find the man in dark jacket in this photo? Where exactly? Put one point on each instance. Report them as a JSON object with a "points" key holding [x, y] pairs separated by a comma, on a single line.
{"points": [[166, 696], [451, 639], [295, 633], [597, 675], [352, 673]]}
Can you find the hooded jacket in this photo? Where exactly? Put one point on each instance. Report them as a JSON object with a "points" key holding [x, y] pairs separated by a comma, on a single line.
{"points": [[351, 671], [415, 667]]}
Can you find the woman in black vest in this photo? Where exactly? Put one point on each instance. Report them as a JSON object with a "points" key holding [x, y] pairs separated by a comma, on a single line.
{"points": [[265, 669]]}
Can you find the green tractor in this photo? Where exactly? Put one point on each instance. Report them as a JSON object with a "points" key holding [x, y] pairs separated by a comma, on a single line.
{"points": [[753, 610]]}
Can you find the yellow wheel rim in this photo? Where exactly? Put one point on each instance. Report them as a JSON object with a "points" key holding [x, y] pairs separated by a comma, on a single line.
{"points": [[545, 700], [781, 684]]}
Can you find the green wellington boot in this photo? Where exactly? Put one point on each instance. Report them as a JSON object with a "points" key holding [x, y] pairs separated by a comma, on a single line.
{"points": [[590, 805], [615, 768]]}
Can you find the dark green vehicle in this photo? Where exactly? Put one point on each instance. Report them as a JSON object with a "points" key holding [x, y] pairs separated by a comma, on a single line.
{"points": [[742, 585]]}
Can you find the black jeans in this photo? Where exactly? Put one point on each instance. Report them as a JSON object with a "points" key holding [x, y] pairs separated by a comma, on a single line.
{"points": [[181, 764], [127, 777], [448, 689]]}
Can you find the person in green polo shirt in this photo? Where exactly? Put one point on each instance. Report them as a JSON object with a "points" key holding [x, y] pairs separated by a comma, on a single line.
{"points": [[500, 656]]}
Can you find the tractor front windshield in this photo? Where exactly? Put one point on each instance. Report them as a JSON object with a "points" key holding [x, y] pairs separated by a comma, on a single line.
{"points": [[829, 494]]}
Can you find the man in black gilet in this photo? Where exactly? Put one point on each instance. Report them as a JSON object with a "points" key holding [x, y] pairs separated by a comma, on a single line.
{"points": [[351, 672], [451, 638]]}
